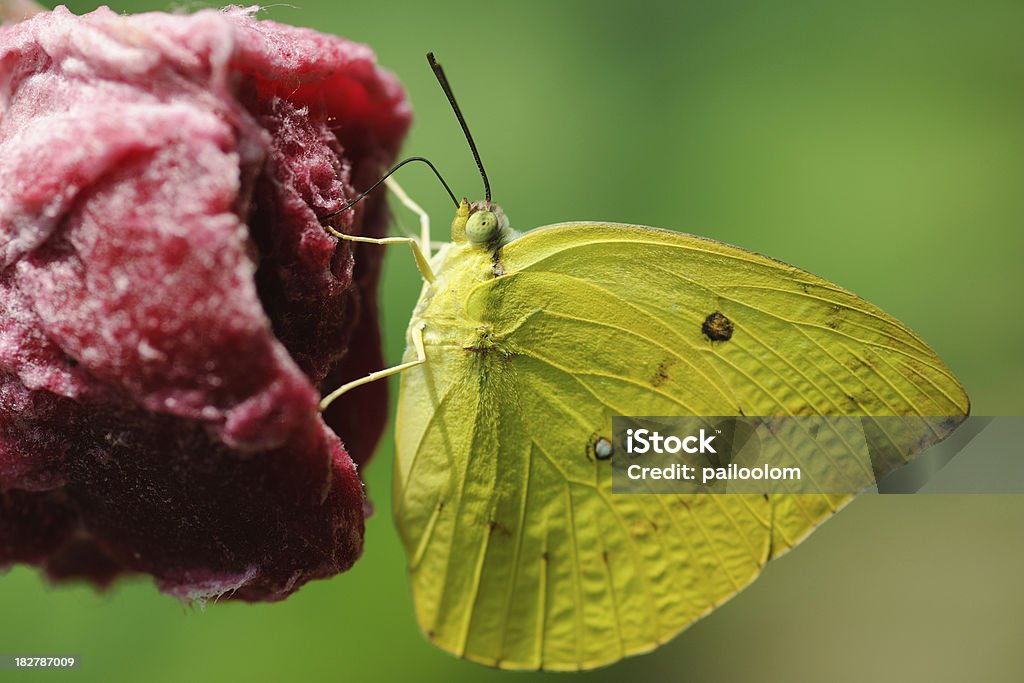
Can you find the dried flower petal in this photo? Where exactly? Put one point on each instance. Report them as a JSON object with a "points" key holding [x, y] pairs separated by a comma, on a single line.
{"points": [[169, 303]]}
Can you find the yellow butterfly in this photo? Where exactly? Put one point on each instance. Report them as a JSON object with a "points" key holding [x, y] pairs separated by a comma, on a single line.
{"points": [[522, 349]]}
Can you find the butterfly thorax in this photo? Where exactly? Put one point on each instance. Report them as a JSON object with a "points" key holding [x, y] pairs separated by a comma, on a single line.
{"points": [[479, 230]]}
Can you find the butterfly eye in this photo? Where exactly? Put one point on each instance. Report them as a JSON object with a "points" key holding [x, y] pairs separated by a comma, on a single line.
{"points": [[481, 227]]}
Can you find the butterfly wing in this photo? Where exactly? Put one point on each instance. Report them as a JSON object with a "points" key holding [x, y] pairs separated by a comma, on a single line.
{"points": [[520, 555]]}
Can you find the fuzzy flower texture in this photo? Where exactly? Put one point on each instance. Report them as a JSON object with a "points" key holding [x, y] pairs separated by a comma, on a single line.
{"points": [[170, 308]]}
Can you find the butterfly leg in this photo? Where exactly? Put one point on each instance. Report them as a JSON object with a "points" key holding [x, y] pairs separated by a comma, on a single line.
{"points": [[422, 259], [421, 357], [407, 202]]}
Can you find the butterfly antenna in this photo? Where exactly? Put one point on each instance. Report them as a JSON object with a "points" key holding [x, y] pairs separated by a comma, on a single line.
{"points": [[443, 80], [352, 202]]}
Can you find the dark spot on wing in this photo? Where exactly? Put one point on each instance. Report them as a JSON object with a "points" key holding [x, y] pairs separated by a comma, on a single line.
{"points": [[836, 315], [604, 556], [599, 447], [661, 374], [717, 327], [495, 525], [859, 366]]}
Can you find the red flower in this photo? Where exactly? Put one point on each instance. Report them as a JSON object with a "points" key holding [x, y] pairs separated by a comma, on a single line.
{"points": [[169, 304]]}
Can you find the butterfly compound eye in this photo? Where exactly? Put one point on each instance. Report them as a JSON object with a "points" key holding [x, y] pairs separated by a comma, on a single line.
{"points": [[481, 227]]}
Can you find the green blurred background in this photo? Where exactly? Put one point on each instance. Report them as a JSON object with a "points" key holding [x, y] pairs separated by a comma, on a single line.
{"points": [[878, 144]]}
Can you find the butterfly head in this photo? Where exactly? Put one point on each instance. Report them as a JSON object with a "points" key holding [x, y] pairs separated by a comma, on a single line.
{"points": [[481, 224]]}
